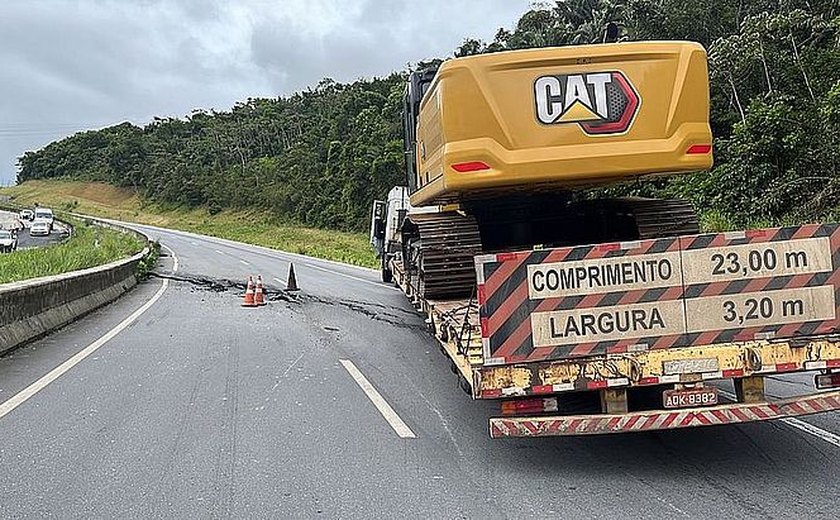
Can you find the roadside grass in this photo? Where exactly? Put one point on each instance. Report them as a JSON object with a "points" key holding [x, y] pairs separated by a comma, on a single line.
{"points": [[252, 227], [88, 246], [714, 221]]}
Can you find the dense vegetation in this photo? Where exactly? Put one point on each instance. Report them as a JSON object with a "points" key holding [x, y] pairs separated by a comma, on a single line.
{"points": [[318, 157]]}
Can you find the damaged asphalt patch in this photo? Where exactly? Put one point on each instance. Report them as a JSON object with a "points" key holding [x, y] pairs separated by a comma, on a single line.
{"points": [[395, 316]]}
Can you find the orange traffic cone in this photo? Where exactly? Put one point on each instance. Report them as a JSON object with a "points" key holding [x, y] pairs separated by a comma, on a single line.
{"points": [[259, 295], [249, 294]]}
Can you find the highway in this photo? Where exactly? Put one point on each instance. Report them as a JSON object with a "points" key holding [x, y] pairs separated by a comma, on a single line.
{"points": [[9, 220], [199, 408]]}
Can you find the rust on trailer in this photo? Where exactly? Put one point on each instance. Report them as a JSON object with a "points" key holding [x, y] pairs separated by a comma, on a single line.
{"points": [[455, 324], [655, 367]]}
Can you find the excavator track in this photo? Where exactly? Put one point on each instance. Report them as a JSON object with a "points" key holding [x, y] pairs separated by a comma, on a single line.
{"points": [[442, 254], [659, 218], [439, 256]]}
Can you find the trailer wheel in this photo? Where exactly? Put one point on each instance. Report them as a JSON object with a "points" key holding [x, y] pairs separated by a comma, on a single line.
{"points": [[387, 275]]}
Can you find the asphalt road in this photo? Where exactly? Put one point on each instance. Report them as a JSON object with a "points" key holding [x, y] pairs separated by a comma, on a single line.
{"points": [[201, 408], [25, 240]]}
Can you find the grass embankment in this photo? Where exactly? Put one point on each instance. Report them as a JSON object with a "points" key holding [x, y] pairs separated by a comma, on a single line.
{"points": [[252, 227], [88, 246]]}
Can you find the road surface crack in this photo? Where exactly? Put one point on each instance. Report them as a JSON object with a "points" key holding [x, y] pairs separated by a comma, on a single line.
{"points": [[374, 311], [391, 315], [220, 285]]}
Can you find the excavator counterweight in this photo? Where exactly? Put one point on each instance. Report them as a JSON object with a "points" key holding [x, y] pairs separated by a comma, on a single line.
{"points": [[559, 119]]}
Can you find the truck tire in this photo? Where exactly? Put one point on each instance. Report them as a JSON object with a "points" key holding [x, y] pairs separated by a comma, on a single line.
{"points": [[387, 275]]}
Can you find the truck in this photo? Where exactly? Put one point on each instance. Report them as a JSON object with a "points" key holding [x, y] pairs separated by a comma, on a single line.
{"points": [[584, 314], [45, 215]]}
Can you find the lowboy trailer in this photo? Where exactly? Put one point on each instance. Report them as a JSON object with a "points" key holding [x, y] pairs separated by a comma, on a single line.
{"points": [[586, 314], [639, 335]]}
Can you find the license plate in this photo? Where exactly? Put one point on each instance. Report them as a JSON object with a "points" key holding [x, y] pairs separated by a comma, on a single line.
{"points": [[690, 398]]}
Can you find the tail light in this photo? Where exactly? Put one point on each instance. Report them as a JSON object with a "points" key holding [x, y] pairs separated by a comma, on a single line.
{"points": [[699, 149], [529, 406], [473, 166], [823, 381]]}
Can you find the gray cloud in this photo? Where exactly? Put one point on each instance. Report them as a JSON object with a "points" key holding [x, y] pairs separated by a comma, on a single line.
{"points": [[69, 66]]}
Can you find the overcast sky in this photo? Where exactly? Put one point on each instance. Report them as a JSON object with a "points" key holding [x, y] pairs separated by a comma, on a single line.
{"points": [[70, 65]]}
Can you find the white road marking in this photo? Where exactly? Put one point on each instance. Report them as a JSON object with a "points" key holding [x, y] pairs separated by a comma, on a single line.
{"points": [[308, 261], [813, 430], [280, 281], [24, 395], [234, 243], [175, 262], [801, 425], [378, 401], [243, 262]]}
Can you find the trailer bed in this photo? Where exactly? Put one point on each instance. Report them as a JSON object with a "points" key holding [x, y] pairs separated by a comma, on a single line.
{"points": [[461, 329], [456, 326]]}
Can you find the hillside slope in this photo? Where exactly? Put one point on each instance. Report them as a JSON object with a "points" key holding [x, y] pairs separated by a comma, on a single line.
{"points": [[254, 227]]}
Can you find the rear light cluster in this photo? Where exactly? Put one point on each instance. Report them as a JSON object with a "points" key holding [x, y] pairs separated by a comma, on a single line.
{"points": [[472, 166], [529, 406], [699, 149], [824, 381]]}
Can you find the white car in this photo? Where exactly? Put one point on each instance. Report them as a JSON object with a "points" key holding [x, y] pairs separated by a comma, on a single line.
{"points": [[8, 241], [39, 228], [27, 214], [46, 215]]}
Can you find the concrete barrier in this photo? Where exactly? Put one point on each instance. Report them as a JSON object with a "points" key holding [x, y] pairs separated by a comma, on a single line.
{"points": [[32, 308]]}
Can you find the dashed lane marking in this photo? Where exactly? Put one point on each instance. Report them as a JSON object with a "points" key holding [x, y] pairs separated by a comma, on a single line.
{"points": [[25, 394], [378, 401]]}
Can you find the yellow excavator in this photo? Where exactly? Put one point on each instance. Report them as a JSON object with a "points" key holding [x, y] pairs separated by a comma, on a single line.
{"points": [[503, 150], [590, 315]]}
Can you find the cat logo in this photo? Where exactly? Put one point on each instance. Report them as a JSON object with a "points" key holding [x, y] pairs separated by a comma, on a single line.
{"points": [[601, 103]]}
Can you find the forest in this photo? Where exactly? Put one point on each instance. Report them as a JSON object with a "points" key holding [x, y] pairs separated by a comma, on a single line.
{"points": [[319, 157]]}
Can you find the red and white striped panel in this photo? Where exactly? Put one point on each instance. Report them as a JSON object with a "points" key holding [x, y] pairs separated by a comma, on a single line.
{"points": [[662, 419]]}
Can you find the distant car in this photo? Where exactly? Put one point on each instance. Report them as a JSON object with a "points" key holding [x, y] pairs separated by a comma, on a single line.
{"points": [[45, 215], [27, 214], [8, 241], [39, 228]]}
